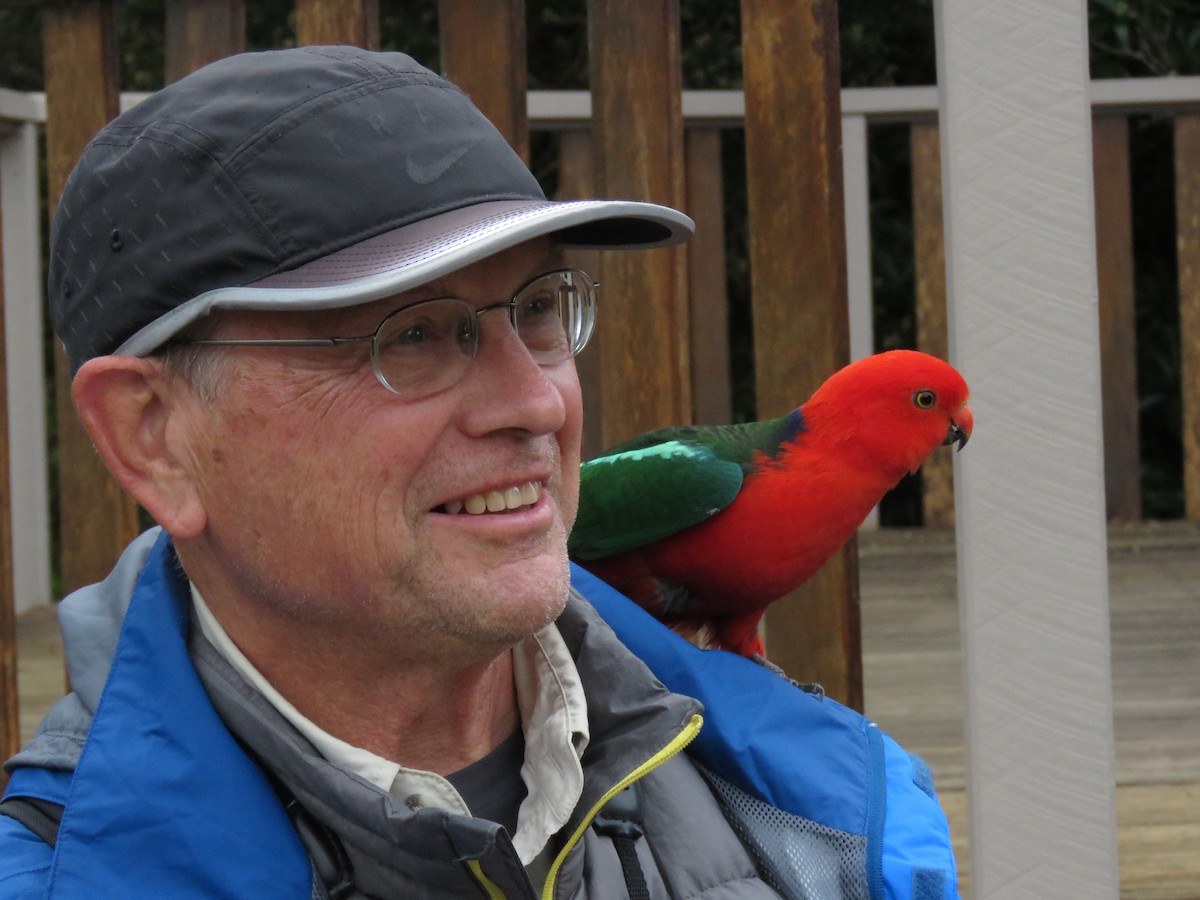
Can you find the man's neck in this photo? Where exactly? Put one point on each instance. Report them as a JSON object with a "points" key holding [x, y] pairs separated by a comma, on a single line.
{"points": [[439, 713], [439, 721]]}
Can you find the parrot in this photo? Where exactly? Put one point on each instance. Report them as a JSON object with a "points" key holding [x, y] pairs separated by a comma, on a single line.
{"points": [[706, 526]]}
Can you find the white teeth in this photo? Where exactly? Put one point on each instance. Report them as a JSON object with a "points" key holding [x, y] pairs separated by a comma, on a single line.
{"points": [[513, 497]]}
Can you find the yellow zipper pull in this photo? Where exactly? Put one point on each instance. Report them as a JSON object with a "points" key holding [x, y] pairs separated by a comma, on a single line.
{"points": [[673, 748]]}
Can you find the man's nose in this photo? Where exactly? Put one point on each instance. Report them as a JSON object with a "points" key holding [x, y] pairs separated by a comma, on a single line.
{"points": [[507, 387]]}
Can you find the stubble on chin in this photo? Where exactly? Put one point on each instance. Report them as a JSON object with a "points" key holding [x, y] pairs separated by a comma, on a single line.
{"points": [[487, 605]]}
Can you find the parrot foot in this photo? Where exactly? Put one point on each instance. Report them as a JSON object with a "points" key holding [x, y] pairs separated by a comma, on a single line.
{"points": [[809, 687]]}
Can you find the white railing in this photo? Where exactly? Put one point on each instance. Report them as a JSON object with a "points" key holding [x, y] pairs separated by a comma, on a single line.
{"points": [[23, 114], [21, 117]]}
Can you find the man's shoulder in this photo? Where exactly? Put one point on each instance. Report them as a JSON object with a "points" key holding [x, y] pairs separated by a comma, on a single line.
{"points": [[768, 748]]}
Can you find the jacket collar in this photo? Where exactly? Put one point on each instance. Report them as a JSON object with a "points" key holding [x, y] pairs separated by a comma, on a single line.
{"points": [[160, 771]]}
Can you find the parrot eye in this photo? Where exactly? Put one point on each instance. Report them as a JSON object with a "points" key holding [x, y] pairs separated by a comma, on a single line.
{"points": [[924, 399]]}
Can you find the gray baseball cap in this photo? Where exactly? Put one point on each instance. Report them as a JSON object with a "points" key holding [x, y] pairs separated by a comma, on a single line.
{"points": [[308, 178]]}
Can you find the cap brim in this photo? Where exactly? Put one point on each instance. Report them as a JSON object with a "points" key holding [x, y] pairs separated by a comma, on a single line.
{"points": [[415, 254]]}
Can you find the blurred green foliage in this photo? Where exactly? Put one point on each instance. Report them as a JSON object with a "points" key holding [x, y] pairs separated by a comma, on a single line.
{"points": [[1131, 38]]}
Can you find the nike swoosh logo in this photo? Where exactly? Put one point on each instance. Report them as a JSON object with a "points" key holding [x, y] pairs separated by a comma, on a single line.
{"points": [[423, 172]]}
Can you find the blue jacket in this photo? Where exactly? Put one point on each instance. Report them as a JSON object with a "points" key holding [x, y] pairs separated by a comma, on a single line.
{"points": [[189, 786]]}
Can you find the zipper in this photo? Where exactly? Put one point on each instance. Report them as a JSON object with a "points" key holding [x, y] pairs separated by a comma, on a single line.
{"points": [[672, 749], [489, 887], [876, 810]]}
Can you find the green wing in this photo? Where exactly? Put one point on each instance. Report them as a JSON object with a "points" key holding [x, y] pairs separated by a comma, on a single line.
{"points": [[645, 490]]}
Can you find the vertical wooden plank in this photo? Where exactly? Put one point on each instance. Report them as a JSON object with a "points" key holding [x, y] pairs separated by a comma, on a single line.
{"points": [[97, 519], [1187, 236], [712, 396], [794, 171], [576, 181], [798, 277], [10, 710], [937, 475], [202, 31], [338, 22], [81, 82], [1118, 328], [638, 130], [483, 51]]}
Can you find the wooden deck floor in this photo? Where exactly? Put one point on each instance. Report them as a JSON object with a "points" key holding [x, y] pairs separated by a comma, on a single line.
{"points": [[912, 670], [912, 675]]}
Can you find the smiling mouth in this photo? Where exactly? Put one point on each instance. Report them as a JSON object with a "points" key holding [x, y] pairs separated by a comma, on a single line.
{"points": [[508, 499]]}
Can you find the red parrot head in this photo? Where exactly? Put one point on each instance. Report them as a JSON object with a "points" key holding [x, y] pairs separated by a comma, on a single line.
{"points": [[892, 410]]}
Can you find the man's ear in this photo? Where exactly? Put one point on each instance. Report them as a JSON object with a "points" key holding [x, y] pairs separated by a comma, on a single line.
{"points": [[127, 404]]}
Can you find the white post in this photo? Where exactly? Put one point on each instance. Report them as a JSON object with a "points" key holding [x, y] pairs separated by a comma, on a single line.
{"points": [[1021, 275], [856, 181], [26, 382], [856, 184]]}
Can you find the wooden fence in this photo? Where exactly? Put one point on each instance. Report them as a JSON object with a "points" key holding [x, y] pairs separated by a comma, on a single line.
{"points": [[668, 362]]}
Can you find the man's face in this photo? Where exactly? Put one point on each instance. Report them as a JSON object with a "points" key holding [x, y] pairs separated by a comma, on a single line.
{"points": [[328, 498]]}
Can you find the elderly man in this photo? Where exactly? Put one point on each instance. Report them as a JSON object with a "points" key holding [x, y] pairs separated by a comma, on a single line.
{"points": [[322, 330]]}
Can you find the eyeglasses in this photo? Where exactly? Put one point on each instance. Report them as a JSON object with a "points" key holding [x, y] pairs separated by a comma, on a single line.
{"points": [[426, 347]]}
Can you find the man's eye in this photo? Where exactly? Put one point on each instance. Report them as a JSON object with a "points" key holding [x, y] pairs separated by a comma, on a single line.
{"points": [[414, 334], [535, 306], [428, 328]]}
